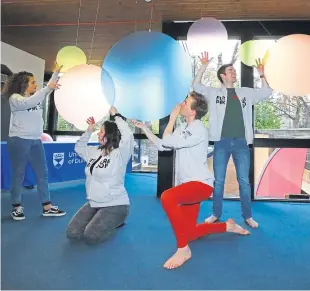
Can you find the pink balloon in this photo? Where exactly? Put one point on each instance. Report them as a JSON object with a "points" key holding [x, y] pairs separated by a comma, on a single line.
{"points": [[46, 137], [206, 34], [287, 68]]}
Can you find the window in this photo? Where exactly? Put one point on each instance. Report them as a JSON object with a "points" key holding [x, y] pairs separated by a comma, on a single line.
{"points": [[231, 187], [63, 125], [145, 156], [280, 172], [229, 55], [281, 116]]}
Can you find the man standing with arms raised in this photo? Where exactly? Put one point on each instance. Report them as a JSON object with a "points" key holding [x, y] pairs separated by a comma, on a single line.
{"points": [[230, 128]]}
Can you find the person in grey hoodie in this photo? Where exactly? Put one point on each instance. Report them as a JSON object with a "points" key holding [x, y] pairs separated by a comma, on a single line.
{"points": [[230, 128], [108, 203], [24, 141], [194, 181]]}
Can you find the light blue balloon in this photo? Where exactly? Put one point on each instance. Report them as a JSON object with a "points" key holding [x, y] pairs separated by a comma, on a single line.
{"points": [[108, 87], [151, 74]]}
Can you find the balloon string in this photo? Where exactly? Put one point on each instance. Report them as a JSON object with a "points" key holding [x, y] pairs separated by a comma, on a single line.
{"points": [[135, 14], [264, 28], [151, 18], [78, 28], [92, 41]]}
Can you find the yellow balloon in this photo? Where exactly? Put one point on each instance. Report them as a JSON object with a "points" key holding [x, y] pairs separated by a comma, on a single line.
{"points": [[266, 57], [251, 50], [69, 57]]}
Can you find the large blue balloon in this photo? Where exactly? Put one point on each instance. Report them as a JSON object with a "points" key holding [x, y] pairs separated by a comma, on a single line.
{"points": [[108, 87], [151, 74]]}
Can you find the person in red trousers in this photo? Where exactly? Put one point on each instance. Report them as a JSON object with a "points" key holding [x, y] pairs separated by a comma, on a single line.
{"points": [[194, 182]]}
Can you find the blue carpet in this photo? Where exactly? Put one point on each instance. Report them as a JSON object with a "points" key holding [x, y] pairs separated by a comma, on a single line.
{"points": [[36, 254]]}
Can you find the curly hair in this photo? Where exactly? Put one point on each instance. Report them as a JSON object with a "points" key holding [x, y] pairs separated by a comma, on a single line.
{"points": [[17, 83]]}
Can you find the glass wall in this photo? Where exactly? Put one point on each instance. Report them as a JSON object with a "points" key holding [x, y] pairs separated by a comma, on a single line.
{"points": [[281, 116], [145, 157], [228, 55], [278, 118], [281, 172], [63, 125]]}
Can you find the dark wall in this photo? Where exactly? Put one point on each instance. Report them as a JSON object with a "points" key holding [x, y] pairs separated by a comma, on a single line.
{"points": [[5, 117], [245, 28], [5, 106]]}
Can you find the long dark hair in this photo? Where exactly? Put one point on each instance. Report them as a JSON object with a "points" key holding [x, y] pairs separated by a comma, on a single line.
{"points": [[112, 136], [17, 83]]}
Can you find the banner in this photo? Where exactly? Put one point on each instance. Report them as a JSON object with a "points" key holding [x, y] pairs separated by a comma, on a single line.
{"points": [[63, 165]]}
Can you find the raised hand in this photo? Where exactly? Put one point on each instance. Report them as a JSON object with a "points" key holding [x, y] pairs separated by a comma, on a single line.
{"points": [[259, 66], [138, 124], [57, 67], [53, 85], [204, 59], [91, 123], [112, 110]]}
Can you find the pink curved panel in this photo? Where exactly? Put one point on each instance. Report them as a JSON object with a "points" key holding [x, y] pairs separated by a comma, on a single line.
{"points": [[282, 173]]}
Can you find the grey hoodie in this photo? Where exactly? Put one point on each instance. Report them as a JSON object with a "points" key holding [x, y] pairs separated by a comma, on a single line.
{"points": [[105, 175], [190, 143], [27, 113]]}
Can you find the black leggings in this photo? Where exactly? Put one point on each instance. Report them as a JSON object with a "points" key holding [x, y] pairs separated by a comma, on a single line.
{"points": [[96, 225]]}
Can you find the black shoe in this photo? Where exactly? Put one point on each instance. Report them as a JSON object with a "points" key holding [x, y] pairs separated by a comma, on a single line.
{"points": [[53, 211], [18, 213]]}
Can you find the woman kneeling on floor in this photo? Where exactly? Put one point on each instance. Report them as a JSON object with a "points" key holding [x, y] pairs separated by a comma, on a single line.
{"points": [[108, 202]]}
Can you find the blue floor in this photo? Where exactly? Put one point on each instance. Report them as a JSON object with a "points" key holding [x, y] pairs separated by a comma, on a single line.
{"points": [[36, 254]]}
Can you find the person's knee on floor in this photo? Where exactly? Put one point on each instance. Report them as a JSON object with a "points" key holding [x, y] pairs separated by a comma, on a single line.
{"points": [[74, 233], [92, 236]]}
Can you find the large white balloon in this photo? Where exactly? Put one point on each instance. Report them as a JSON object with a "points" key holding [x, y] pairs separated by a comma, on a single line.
{"points": [[207, 34], [81, 95]]}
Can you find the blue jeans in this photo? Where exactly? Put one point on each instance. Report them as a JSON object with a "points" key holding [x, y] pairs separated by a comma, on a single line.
{"points": [[21, 151], [239, 150]]}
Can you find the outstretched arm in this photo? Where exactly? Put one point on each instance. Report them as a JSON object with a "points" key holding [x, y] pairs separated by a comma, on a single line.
{"points": [[150, 135], [178, 139], [197, 81], [265, 91], [20, 103]]}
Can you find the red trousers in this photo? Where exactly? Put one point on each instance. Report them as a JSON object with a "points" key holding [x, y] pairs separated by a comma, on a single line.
{"points": [[181, 204]]}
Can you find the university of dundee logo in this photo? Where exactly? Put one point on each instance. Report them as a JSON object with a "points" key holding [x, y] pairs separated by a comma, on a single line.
{"points": [[58, 159]]}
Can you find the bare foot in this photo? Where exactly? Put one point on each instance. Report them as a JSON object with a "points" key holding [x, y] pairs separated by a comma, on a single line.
{"points": [[234, 227], [251, 222], [179, 258], [211, 219]]}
